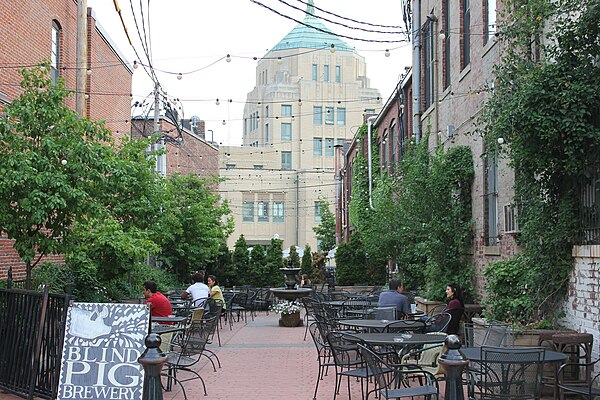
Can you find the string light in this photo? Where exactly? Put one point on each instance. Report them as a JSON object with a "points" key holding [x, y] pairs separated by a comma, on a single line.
{"points": [[179, 76], [442, 35], [217, 102], [387, 52], [332, 49], [228, 58]]}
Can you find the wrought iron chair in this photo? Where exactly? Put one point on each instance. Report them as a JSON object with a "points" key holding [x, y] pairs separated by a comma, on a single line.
{"points": [[438, 322], [507, 373], [348, 363], [427, 358], [407, 325], [324, 355], [587, 388], [401, 380]]}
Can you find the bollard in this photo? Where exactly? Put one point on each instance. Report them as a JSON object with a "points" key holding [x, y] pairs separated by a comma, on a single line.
{"points": [[453, 363], [152, 360]]}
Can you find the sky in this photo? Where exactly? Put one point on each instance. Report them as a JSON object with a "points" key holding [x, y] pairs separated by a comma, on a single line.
{"points": [[193, 37]]}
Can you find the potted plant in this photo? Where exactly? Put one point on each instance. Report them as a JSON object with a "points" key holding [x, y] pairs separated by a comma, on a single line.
{"points": [[290, 313]]}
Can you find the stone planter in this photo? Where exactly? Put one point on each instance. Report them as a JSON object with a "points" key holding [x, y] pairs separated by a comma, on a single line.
{"points": [[426, 305], [290, 320]]}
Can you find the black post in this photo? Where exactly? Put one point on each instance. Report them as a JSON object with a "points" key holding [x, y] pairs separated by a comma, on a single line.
{"points": [[152, 360], [9, 278], [453, 363]]}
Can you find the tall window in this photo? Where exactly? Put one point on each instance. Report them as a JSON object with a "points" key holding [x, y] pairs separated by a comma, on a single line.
{"points": [[326, 73], [263, 211], [286, 110], [318, 115], [341, 116], [286, 160], [278, 211], [490, 20], [329, 115], [329, 147], [317, 211], [466, 32], [491, 199], [315, 72], [317, 146], [393, 147], [286, 132], [447, 63], [384, 150], [267, 133], [428, 52], [55, 56], [266, 111], [338, 74], [248, 211]]}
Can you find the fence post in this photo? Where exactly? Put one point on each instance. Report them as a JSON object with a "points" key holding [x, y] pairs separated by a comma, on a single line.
{"points": [[453, 363], [9, 280], [152, 360]]}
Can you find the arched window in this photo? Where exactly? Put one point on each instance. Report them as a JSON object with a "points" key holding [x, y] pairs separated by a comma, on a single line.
{"points": [[55, 56]]}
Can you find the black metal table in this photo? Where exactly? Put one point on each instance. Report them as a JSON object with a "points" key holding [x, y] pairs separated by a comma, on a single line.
{"points": [[400, 339], [173, 319], [376, 325]]}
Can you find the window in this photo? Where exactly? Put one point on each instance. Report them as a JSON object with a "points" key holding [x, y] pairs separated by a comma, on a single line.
{"points": [[491, 200], [384, 150], [329, 147], [341, 116], [258, 166], [393, 147], [286, 110], [278, 215], [317, 146], [286, 160], [315, 72], [490, 20], [317, 211], [266, 111], [55, 56], [446, 77], [428, 52], [338, 74], [328, 115], [248, 211], [263, 211], [326, 73], [318, 115], [267, 133], [229, 166], [370, 111], [286, 132], [466, 33]]}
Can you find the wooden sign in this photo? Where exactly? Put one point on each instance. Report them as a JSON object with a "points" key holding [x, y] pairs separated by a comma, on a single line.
{"points": [[102, 345]]}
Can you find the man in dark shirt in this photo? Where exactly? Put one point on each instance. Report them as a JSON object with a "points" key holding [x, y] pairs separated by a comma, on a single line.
{"points": [[394, 297]]}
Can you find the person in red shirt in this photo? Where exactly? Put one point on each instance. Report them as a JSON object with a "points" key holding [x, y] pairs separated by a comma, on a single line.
{"points": [[161, 306]]}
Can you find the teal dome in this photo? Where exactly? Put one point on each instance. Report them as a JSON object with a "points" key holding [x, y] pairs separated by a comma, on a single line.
{"points": [[311, 34]]}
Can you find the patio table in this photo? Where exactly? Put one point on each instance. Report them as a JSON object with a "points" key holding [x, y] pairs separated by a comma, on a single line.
{"points": [[376, 325], [399, 339], [173, 319]]}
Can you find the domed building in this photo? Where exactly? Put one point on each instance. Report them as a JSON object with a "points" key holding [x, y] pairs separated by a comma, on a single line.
{"points": [[311, 96]]}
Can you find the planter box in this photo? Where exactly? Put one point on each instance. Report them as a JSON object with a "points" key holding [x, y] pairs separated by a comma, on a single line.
{"points": [[426, 305]]}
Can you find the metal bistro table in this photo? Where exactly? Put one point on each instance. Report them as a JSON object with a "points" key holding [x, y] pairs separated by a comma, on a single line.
{"points": [[374, 325], [553, 357], [400, 339], [173, 319]]}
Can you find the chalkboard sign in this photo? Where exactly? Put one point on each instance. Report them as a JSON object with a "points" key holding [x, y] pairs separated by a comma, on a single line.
{"points": [[101, 348]]}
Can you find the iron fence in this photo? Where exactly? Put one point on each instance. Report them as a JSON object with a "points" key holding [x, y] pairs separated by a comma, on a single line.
{"points": [[589, 213]]}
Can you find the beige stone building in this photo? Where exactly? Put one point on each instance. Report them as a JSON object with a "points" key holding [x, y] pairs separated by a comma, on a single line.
{"points": [[311, 94]]}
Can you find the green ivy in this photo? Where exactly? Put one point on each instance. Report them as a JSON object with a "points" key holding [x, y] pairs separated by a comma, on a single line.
{"points": [[545, 107]]}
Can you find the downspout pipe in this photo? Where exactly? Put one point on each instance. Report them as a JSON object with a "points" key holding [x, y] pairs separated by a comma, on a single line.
{"points": [[370, 161], [416, 82]]}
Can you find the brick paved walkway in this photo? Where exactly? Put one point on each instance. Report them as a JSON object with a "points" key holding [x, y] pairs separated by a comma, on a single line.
{"points": [[261, 361]]}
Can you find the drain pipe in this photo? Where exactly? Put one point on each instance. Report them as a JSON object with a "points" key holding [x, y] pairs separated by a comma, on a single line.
{"points": [[416, 81], [370, 161]]}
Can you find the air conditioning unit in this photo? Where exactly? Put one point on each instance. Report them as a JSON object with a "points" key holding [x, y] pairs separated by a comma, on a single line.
{"points": [[511, 222]]}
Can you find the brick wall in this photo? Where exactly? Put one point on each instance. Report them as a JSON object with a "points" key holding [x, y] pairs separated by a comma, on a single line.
{"points": [[26, 31]]}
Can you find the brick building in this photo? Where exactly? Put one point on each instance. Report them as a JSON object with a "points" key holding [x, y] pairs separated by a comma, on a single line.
{"points": [[33, 32]]}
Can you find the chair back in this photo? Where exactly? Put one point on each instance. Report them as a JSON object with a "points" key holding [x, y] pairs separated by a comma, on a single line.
{"points": [[455, 317], [405, 325], [345, 353], [388, 313], [511, 373], [438, 323]]}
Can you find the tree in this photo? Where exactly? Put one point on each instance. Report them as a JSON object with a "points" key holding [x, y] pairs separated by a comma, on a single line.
{"points": [[306, 263], [256, 272], [273, 263], [294, 258], [325, 231], [240, 259], [53, 165]]}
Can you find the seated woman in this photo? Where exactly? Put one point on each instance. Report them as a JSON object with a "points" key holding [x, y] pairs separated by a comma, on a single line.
{"points": [[455, 307]]}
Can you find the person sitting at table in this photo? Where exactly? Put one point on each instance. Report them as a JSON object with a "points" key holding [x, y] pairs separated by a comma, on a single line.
{"points": [[394, 297], [198, 291], [160, 305], [305, 282], [215, 291], [455, 307]]}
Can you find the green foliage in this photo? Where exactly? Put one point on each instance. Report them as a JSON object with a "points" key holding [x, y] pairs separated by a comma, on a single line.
{"points": [[257, 270], [274, 261], [356, 266], [293, 260], [544, 110], [306, 263], [240, 259], [222, 267], [325, 231]]}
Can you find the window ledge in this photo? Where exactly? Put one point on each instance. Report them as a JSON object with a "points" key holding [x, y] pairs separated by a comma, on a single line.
{"points": [[491, 250], [464, 72]]}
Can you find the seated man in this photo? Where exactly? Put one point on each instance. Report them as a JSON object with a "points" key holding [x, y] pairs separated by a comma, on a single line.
{"points": [[198, 291], [394, 297], [161, 306]]}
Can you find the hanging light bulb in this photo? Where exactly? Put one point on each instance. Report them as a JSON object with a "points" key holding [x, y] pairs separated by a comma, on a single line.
{"points": [[179, 76], [217, 102], [228, 58], [332, 48], [442, 35], [224, 122], [135, 65], [279, 60], [387, 52], [89, 71]]}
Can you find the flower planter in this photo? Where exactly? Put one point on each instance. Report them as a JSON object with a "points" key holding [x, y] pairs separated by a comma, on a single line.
{"points": [[426, 305], [290, 320]]}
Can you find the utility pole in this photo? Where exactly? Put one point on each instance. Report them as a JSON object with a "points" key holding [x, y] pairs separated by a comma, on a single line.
{"points": [[81, 70]]}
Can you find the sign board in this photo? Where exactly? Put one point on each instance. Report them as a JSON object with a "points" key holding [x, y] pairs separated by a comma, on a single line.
{"points": [[102, 345]]}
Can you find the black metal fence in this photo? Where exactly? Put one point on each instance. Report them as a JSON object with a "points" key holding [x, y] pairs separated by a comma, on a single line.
{"points": [[590, 211], [31, 336]]}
